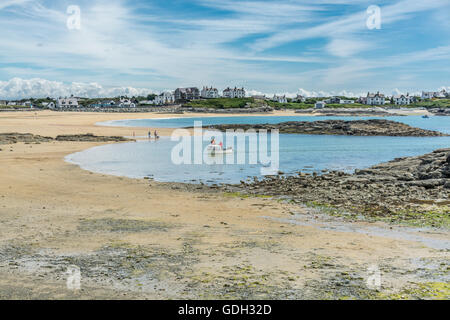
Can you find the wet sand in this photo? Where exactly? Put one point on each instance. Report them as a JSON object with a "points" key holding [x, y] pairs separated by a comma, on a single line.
{"points": [[140, 239]]}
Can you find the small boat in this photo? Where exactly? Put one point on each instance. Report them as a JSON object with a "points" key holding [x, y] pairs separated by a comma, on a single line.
{"points": [[216, 149], [426, 117]]}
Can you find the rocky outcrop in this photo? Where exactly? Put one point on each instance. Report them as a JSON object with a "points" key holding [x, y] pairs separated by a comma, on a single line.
{"points": [[401, 184], [346, 112], [440, 112], [375, 127], [14, 137], [90, 138], [11, 138]]}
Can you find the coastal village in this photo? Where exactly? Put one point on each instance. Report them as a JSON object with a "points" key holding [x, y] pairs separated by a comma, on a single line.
{"points": [[182, 96]]}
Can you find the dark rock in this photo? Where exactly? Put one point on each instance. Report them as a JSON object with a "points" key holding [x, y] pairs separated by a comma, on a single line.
{"points": [[384, 188], [374, 127]]}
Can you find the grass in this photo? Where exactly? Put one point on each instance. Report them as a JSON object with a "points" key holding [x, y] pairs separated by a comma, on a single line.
{"points": [[221, 103], [431, 104]]}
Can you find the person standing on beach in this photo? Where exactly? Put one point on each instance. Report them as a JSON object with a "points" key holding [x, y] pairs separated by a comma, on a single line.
{"points": [[149, 133]]}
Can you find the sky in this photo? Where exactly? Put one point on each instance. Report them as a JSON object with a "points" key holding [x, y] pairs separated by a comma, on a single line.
{"points": [[311, 47]]}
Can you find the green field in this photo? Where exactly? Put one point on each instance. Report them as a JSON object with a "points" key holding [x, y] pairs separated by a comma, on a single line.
{"points": [[432, 104], [222, 103]]}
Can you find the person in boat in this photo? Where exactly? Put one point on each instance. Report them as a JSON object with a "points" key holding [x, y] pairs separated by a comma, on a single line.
{"points": [[213, 141]]}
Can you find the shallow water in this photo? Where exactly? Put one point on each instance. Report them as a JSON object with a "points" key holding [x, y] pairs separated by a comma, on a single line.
{"points": [[433, 123], [306, 153]]}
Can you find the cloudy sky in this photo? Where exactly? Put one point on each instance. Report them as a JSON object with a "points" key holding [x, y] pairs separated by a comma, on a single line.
{"points": [[269, 46]]}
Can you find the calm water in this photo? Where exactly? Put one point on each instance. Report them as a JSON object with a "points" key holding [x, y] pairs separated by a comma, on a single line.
{"points": [[297, 152], [433, 123]]}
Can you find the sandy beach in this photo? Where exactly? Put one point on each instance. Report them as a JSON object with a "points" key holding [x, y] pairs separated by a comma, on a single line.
{"points": [[139, 239]]}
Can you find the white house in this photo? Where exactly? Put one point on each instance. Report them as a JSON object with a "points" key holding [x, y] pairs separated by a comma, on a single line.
{"points": [[428, 94], [402, 99], [164, 98], [50, 105], [375, 99], [209, 93], [434, 94], [299, 98], [320, 104], [126, 103], [279, 99], [71, 102], [441, 94], [333, 100], [234, 93]]}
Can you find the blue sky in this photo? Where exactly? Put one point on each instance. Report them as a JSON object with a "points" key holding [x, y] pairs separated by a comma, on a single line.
{"points": [[283, 46]]}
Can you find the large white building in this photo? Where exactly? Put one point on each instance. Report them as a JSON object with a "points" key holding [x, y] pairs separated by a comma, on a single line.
{"points": [[234, 93], [402, 99], [165, 98], [374, 99], [71, 102], [209, 93]]}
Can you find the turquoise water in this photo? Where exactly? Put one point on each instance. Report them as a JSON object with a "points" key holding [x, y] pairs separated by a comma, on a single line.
{"points": [[306, 153]]}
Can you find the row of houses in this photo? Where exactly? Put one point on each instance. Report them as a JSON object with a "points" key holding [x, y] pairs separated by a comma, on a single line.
{"points": [[122, 103], [16, 103], [193, 93]]}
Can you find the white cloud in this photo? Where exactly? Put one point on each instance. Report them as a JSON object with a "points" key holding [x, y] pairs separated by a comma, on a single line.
{"points": [[342, 47], [18, 88]]}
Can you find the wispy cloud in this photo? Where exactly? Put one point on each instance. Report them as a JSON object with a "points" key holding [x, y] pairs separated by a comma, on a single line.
{"points": [[271, 46]]}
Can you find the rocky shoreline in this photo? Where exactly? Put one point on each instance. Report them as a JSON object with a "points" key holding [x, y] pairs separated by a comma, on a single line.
{"points": [[412, 189], [374, 127], [12, 138], [347, 112]]}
